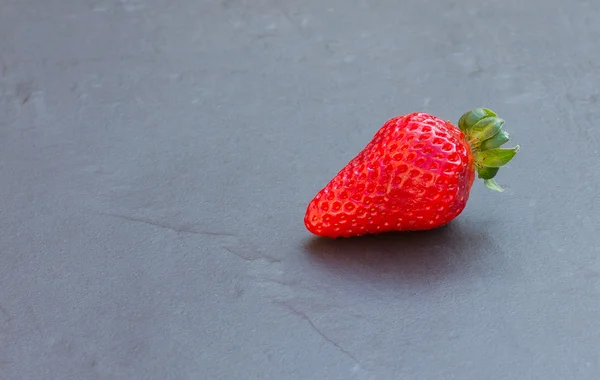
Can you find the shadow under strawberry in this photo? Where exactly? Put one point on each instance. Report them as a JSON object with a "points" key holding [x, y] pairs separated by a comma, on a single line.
{"points": [[453, 249]]}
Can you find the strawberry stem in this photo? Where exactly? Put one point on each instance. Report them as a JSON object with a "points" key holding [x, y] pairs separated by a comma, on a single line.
{"points": [[492, 185], [483, 130]]}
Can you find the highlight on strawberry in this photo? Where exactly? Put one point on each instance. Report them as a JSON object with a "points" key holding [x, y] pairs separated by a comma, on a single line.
{"points": [[415, 174]]}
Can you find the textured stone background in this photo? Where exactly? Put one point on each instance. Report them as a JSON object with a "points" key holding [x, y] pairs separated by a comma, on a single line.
{"points": [[156, 159]]}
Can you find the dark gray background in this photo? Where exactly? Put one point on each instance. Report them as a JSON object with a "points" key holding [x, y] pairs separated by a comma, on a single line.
{"points": [[156, 159]]}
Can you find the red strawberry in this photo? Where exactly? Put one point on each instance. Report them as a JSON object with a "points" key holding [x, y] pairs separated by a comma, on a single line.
{"points": [[416, 174]]}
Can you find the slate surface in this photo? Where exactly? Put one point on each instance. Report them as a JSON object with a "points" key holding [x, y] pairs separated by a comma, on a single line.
{"points": [[156, 159]]}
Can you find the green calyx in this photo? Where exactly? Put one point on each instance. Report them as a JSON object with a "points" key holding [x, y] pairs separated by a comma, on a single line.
{"points": [[483, 130]]}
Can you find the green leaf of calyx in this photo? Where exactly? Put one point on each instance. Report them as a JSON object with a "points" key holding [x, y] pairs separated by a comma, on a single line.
{"points": [[469, 119], [496, 141], [495, 158], [487, 173], [486, 128], [492, 185]]}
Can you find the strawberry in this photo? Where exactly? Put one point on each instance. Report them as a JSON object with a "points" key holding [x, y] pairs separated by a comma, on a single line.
{"points": [[415, 174]]}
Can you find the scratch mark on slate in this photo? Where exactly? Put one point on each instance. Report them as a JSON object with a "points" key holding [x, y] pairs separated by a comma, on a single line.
{"points": [[167, 226], [237, 254], [319, 331], [186, 228], [23, 91], [212, 233]]}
